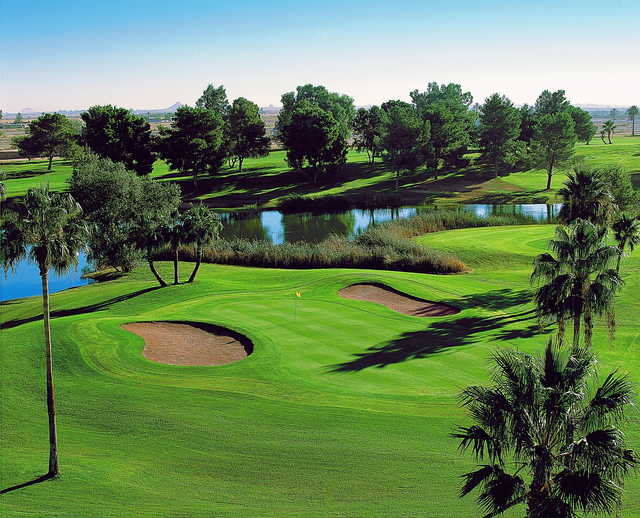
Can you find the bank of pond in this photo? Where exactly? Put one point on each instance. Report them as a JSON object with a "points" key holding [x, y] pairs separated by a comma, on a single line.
{"points": [[357, 238]]}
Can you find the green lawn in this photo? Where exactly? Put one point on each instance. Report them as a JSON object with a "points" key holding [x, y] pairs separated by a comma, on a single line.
{"points": [[265, 181], [343, 410]]}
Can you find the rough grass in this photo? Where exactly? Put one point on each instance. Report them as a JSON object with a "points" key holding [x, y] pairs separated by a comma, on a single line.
{"points": [[344, 409], [269, 182]]}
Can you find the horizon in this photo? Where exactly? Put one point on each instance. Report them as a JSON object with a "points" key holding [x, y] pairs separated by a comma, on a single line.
{"points": [[139, 55]]}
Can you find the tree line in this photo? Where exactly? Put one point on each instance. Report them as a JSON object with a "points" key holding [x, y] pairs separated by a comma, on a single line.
{"points": [[316, 127]]}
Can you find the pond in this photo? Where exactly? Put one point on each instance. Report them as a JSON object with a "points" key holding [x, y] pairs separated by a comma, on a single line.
{"points": [[24, 281], [278, 227], [274, 226]]}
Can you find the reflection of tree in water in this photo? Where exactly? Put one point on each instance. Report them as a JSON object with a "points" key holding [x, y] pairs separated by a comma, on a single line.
{"points": [[316, 227], [247, 225]]}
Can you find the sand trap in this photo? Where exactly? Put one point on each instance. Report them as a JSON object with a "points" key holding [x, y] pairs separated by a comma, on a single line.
{"points": [[396, 300], [190, 343]]}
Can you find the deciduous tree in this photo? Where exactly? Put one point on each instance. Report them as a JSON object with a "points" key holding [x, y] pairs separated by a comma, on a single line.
{"points": [[214, 98], [195, 142], [313, 138], [367, 131], [245, 131], [49, 135], [120, 135], [553, 142], [499, 127]]}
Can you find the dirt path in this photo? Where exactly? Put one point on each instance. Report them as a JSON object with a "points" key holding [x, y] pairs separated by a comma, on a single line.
{"points": [[396, 300], [184, 343]]}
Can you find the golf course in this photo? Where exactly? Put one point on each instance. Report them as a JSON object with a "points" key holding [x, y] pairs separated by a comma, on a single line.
{"points": [[343, 408], [267, 181]]}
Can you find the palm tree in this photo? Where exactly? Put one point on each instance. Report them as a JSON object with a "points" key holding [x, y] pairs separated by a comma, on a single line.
{"points": [[173, 235], [200, 227], [609, 128], [586, 195], [632, 113], [47, 229], [578, 283], [541, 418], [627, 233]]}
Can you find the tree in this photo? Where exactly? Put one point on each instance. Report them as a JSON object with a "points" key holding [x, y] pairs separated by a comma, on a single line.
{"points": [[200, 227], [446, 107], [578, 283], [119, 135], [214, 99], [245, 131], [339, 106], [499, 127], [544, 416], [312, 136], [404, 135], [626, 232], [47, 229], [195, 142], [632, 113], [111, 198], [553, 142], [551, 103], [584, 127], [49, 135], [527, 122], [626, 197], [367, 130], [158, 203], [18, 119], [586, 196], [608, 128]]}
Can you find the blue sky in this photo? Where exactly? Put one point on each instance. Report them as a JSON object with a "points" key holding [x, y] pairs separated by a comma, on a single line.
{"points": [[70, 54]]}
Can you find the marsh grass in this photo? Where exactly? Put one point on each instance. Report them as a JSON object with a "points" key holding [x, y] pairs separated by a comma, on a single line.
{"points": [[386, 246]]}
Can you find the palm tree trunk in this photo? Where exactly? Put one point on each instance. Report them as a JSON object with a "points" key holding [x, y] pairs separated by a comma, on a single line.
{"points": [[51, 402], [588, 328], [50, 162], [155, 272], [240, 160], [576, 329], [619, 258], [175, 266], [192, 277]]}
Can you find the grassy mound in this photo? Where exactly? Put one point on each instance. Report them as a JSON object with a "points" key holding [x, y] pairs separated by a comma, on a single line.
{"points": [[343, 409]]}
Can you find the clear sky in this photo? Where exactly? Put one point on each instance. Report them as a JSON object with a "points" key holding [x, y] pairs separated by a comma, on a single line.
{"points": [[70, 54]]}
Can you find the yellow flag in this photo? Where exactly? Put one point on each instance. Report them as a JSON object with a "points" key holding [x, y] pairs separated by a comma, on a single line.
{"points": [[298, 294]]}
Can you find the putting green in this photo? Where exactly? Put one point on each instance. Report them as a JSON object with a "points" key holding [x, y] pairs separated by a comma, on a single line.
{"points": [[343, 409]]}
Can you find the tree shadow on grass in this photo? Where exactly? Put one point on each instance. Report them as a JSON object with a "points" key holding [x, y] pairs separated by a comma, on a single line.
{"points": [[499, 299], [438, 337], [100, 306], [36, 480]]}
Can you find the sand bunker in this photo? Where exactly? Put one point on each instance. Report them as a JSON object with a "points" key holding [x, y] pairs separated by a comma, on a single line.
{"points": [[396, 300], [190, 343]]}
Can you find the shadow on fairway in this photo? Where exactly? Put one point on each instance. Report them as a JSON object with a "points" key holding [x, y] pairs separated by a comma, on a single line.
{"points": [[494, 299], [438, 337], [77, 311], [36, 480]]}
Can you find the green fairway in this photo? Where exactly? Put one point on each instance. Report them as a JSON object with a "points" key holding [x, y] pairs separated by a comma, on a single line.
{"points": [[343, 409], [266, 181]]}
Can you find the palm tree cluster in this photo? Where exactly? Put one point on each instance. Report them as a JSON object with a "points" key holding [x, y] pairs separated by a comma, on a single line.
{"points": [[577, 283], [549, 440], [580, 281]]}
